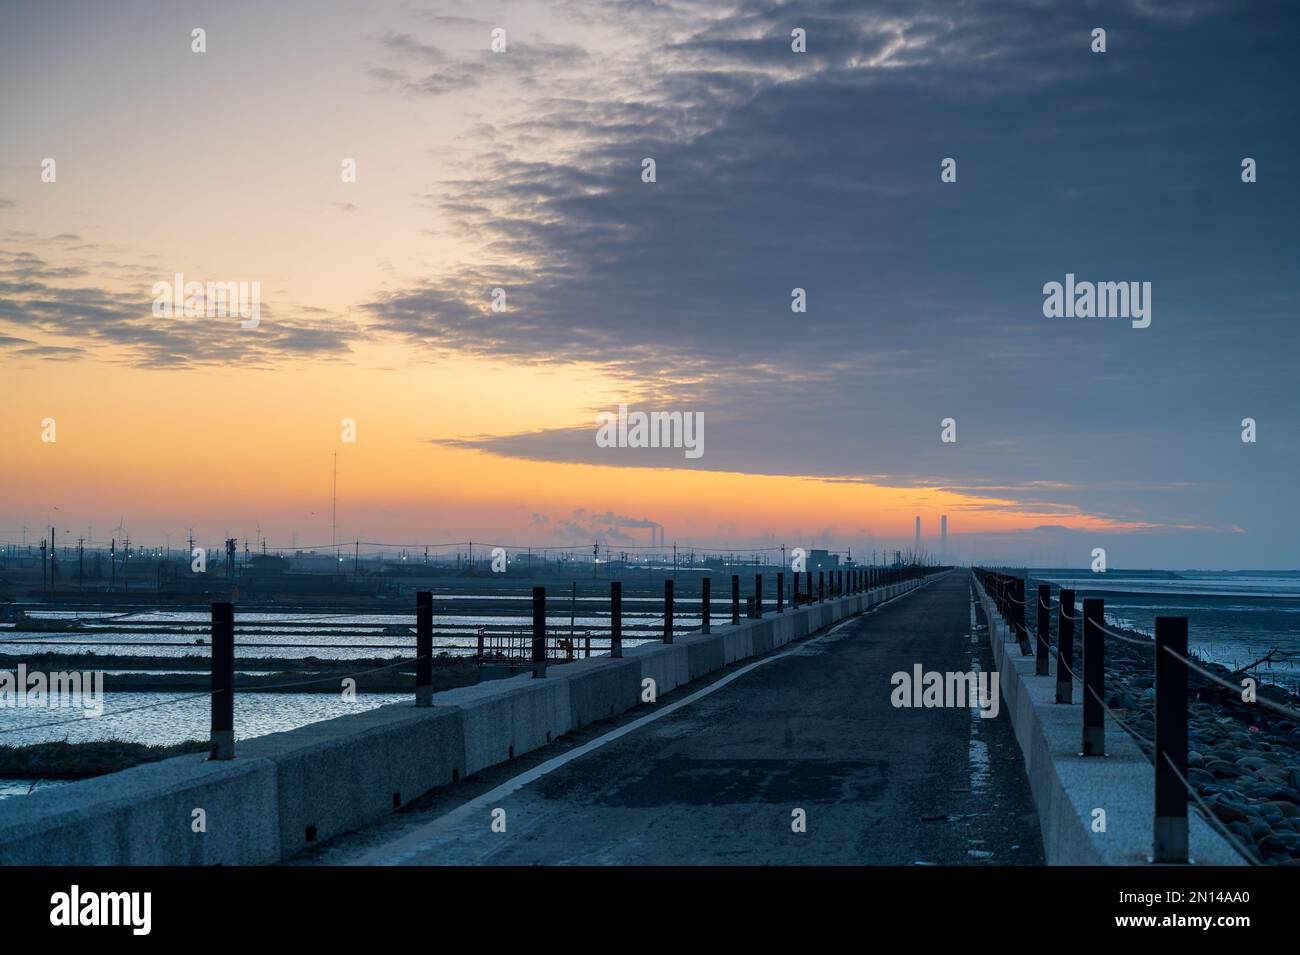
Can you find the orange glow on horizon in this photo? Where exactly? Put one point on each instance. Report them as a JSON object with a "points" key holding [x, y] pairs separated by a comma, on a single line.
{"points": [[228, 449]]}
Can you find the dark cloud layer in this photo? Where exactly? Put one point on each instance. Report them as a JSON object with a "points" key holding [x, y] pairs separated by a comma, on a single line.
{"points": [[822, 172]]}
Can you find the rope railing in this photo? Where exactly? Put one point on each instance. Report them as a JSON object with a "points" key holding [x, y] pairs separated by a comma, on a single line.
{"points": [[1146, 745], [1074, 676], [1145, 644], [1173, 667], [1149, 749], [1208, 814], [1286, 711]]}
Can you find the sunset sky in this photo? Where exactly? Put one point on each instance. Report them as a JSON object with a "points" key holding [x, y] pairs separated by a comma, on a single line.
{"points": [[775, 170]]}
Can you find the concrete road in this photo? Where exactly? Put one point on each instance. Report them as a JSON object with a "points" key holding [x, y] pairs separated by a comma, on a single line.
{"points": [[717, 779]]}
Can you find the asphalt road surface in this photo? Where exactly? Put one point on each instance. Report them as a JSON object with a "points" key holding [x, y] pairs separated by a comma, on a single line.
{"points": [[720, 778]]}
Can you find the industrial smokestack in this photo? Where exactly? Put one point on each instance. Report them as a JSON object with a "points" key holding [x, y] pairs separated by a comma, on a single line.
{"points": [[943, 534], [918, 533]]}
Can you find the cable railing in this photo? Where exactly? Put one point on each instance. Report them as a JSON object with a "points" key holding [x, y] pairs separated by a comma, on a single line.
{"points": [[1173, 671], [539, 646], [1149, 749]]}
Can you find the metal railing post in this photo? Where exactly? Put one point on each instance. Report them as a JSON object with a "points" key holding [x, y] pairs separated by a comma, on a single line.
{"points": [[424, 648], [1022, 613], [1094, 671], [1169, 834], [668, 610], [222, 739], [1065, 647], [616, 617], [1043, 629], [539, 632], [705, 623]]}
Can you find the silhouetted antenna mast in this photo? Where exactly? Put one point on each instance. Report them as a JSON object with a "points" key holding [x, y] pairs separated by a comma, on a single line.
{"points": [[334, 509]]}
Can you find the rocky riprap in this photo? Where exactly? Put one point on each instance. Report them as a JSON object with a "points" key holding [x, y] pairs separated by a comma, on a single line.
{"points": [[1243, 758]]}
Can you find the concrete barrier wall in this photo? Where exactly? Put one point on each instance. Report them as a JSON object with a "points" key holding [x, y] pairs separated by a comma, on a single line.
{"points": [[1067, 788], [285, 791]]}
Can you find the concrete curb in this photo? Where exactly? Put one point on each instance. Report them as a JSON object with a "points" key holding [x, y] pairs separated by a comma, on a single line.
{"points": [[287, 790], [1066, 787]]}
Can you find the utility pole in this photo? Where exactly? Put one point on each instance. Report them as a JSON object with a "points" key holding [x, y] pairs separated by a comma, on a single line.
{"points": [[112, 559], [356, 561], [81, 563]]}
